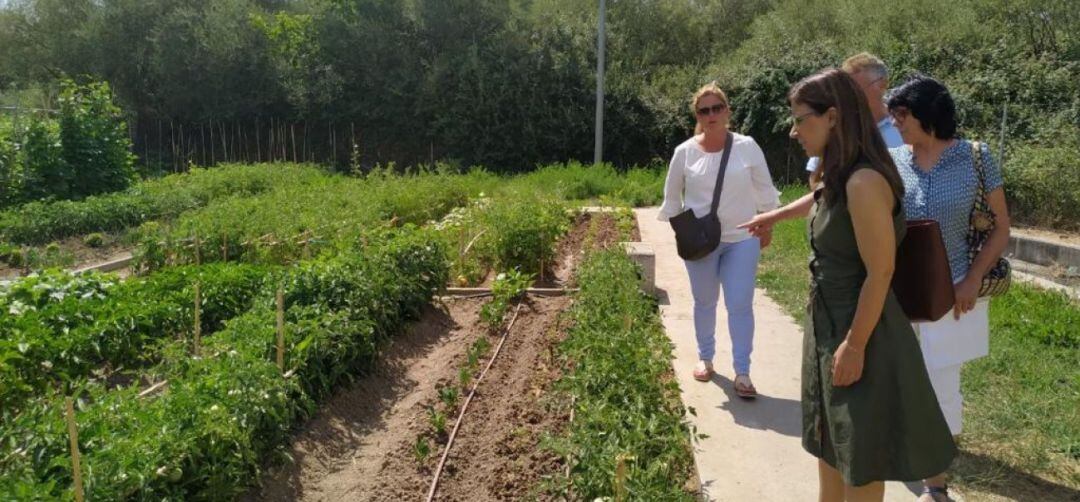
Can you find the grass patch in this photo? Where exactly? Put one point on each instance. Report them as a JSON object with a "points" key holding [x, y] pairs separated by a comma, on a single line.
{"points": [[784, 273], [1021, 426], [1021, 401]]}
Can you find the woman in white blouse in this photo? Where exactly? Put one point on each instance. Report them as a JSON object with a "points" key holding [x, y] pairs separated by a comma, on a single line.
{"points": [[747, 190]]}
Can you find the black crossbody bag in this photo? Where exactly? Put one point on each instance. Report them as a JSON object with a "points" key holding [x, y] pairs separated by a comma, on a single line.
{"points": [[696, 237]]}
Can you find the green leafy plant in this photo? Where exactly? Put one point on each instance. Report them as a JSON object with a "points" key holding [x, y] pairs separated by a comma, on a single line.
{"points": [[437, 419], [627, 402], [421, 449], [449, 396], [94, 240], [465, 376], [508, 286], [226, 411]]}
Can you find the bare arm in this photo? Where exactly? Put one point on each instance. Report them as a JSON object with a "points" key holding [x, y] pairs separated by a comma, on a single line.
{"points": [[764, 221], [871, 203]]}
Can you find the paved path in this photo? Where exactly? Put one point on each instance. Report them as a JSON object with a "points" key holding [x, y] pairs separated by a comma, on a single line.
{"points": [[753, 450]]}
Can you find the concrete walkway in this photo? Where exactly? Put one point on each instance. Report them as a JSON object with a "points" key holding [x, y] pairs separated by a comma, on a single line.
{"points": [[753, 451]]}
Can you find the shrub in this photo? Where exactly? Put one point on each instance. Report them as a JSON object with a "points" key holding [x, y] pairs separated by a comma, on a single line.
{"points": [[94, 240], [96, 146], [1043, 186]]}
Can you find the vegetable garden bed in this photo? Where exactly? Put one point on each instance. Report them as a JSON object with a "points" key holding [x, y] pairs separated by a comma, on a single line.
{"points": [[382, 438]]}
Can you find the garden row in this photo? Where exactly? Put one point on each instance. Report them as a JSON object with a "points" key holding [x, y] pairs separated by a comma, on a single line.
{"points": [[228, 409], [277, 212], [628, 438]]}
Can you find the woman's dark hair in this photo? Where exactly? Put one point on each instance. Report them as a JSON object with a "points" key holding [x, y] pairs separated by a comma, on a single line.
{"points": [[854, 141], [929, 101]]}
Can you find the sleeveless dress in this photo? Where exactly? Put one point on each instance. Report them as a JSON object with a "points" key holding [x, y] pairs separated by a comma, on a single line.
{"points": [[887, 425]]}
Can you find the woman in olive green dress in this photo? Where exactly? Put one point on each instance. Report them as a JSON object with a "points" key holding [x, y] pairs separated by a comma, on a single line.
{"points": [[869, 410]]}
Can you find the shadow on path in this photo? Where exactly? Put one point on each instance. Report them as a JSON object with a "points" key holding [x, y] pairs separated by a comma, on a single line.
{"points": [[764, 412]]}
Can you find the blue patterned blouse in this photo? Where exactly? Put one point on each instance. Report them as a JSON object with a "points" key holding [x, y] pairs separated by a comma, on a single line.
{"points": [[946, 193]]}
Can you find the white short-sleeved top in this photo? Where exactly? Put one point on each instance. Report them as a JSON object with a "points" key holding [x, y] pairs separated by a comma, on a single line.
{"points": [[748, 187]]}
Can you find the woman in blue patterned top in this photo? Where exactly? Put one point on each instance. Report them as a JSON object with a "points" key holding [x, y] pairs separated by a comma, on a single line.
{"points": [[941, 183]]}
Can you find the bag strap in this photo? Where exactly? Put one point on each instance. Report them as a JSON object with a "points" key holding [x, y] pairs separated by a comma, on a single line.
{"points": [[981, 208], [728, 143], [976, 155]]}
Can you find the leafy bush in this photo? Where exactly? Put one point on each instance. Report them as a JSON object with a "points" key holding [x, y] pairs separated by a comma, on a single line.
{"points": [[11, 255], [96, 146], [10, 175], [522, 232], [46, 174], [94, 240], [1043, 186], [277, 226], [508, 286]]}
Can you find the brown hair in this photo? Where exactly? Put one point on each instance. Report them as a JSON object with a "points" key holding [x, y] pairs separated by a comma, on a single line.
{"points": [[710, 88], [854, 141]]}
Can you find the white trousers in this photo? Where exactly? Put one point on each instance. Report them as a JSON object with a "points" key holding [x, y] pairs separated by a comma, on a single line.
{"points": [[946, 383], [946, 345]]}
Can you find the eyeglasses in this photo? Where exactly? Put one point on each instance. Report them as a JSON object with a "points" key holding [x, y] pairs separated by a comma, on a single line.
{"points": [[899, 114], [798, 119], [707, 110]]}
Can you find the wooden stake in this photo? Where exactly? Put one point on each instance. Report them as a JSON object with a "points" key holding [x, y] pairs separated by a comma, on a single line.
{"points": [[620, 477], [293, 128], [281, 329], [198, 258], [224, 246], [198, 319], [73, 433]]}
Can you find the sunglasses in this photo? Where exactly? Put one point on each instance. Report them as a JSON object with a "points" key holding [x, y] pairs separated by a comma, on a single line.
{"points": [[707, 110]]}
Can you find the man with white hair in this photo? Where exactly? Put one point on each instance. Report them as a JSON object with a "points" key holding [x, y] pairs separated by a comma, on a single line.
{"points": [[873, 78]]}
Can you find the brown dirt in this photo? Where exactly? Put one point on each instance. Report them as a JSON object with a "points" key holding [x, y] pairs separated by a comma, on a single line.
{"points": [[497, 453], [347, 444], [598, 230], [83, 255], [360, 446]]}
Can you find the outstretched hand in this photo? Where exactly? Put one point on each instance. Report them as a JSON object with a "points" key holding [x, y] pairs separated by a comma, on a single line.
{"points": [[760, 226]]}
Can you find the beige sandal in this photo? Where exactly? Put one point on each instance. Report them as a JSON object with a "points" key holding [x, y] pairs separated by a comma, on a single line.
{"points": [[704, 371], [744, 388]]}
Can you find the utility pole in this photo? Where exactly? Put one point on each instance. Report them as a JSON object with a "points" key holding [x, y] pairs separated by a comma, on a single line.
{"points": [[598, 147]]}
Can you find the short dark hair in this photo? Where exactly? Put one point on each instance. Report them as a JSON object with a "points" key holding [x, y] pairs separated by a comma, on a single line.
{"points": [[928, 101]]}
